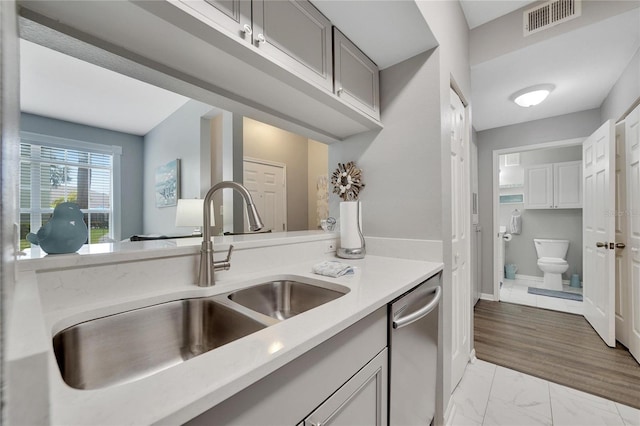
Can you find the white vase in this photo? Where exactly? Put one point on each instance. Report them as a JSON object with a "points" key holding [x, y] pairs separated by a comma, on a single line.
{"points": [[352, 244]]}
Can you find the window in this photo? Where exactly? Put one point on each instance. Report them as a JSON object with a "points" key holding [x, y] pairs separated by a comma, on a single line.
{"points": [[54, 170]]}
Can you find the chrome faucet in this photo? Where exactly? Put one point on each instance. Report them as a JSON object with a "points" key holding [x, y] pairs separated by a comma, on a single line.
{"points": [[207, 264]]}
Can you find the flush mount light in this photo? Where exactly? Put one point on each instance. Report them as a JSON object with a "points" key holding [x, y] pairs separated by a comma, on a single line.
{"points": [[532, 95]]}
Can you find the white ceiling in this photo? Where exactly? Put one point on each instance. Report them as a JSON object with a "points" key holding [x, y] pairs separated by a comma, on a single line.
{"points": [[58, 86], [583, 65], [387, 31]]}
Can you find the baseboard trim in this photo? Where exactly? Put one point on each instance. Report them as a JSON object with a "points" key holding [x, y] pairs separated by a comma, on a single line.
{"points": [[450, 413], [487, 296]]}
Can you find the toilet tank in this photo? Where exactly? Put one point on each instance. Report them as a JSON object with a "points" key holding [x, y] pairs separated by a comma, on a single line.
{"points": [[551, 248]]}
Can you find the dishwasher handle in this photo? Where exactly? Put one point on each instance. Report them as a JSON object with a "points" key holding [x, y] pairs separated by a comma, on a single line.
{"points": [[420, 313]]}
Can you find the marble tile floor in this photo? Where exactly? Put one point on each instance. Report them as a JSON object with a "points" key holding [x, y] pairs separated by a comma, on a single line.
{"points": [[515, 291], [490, 395]]}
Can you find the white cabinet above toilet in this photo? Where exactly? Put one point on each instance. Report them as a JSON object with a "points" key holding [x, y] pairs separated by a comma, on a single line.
{"points": [[553, 186]]}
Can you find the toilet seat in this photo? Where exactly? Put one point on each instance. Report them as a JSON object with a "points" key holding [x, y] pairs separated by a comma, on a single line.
{"points": [[552, 261]]}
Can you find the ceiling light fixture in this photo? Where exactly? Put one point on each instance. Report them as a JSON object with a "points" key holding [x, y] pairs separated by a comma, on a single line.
{"points": [[532, 96]]}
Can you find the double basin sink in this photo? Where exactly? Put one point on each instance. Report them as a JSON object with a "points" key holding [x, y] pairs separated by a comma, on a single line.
{"points": [[135, 344]]}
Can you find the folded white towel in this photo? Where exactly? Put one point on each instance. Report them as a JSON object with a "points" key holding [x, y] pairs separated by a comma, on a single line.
{"points": [[515, 225], [331, 268]]}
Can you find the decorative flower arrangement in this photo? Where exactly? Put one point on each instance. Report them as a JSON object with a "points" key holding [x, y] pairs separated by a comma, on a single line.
{"points": [[347, 181]]}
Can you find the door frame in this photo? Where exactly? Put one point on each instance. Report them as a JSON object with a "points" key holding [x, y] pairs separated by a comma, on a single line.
{"points": [[283, 166], [496, 198]]}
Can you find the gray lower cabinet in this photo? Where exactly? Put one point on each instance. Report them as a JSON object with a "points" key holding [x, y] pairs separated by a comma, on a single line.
{"points": [[295, 34], [341, 381], [357, 80], [233, 16], [360, 401]]}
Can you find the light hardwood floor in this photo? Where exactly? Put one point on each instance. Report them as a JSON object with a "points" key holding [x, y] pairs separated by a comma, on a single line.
{"points": [[555, 346]]}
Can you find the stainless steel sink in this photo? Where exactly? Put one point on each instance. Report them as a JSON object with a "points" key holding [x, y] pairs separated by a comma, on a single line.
{"points": [[285, 298], [128, 346], [131, 345]]}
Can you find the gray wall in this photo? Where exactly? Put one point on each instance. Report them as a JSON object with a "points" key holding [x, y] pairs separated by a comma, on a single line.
{"points": [[400, 164], [406, 166], [132, 160], [178, 136], [624, 93], [569, 126], [557, 223], [266, 142]]}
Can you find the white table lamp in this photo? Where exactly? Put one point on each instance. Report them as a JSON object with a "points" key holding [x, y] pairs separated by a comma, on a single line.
{"points": [[190, 213]]}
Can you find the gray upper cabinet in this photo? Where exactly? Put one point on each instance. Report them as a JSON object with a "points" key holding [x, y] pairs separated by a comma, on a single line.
{"points": [[295, 34], [356, 76], [233, 16]]}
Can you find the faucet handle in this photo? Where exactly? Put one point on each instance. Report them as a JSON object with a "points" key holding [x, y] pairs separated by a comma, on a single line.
{"points": [[228, 259], [224, 265]]}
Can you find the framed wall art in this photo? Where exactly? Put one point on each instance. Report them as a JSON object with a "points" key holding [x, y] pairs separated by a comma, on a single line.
{"points": [[168, 184]]}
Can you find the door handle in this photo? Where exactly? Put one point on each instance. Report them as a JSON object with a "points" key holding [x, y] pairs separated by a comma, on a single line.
{"points": [[599, 244], [420, 313]]}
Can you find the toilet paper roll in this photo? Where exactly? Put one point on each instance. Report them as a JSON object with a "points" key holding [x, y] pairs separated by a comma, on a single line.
{"points": [[349, 236], [507, 237]]}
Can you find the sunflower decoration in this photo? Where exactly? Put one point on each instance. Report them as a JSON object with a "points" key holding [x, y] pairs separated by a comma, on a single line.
{"points": [[347, 181]]}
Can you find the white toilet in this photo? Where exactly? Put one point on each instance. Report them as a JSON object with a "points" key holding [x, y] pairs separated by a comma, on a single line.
{"points": [[551, 261]]}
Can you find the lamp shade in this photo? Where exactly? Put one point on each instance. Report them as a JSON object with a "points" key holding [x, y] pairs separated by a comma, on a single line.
{"points": [[190, 213]]}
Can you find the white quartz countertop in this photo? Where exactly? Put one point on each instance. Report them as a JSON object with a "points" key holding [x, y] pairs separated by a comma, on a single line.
{"points": [[184, 391], [95, 254]]}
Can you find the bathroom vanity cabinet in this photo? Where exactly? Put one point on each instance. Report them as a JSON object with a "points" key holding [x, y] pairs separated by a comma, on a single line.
{"points": [[553, 186]]}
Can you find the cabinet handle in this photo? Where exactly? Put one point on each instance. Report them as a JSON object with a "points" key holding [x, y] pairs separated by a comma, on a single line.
{"points": [[599, 244], [620, 245], [247, 29], [261, 38]]}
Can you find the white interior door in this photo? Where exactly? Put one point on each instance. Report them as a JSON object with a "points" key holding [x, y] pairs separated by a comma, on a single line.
{"points": [[598, 228], [632, 136], [266, 183], [622, 305], [460, 273]]}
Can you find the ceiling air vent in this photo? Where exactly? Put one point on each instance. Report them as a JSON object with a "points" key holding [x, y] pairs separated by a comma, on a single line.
{"points": [[549, 14]]}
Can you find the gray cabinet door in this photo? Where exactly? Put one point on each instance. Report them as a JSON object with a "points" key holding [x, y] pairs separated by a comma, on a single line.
{"points": [[360, 401], [233, 16], [297, 36], [356, 76]]}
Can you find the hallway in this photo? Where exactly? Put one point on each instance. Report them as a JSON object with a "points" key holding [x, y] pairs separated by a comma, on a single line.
{"points": [[555, 346]]}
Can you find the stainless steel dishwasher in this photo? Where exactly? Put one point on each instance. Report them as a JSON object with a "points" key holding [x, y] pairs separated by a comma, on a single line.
{"points": [[413, 343]]}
